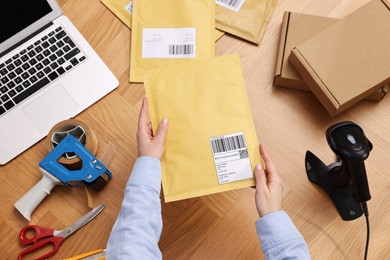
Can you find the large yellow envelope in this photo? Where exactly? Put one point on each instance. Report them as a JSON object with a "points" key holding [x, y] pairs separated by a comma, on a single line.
{"points": [[124, 8], [211, 131], [170, 32], [121, 8], [247, 19]]}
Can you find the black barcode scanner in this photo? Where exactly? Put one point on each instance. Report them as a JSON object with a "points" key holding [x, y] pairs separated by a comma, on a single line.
{"points": [[348, 142], [345, 180]]}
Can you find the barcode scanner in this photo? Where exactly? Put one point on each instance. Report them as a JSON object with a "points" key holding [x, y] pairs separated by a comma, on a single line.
{"points": [[345, 180], [348, 142]]}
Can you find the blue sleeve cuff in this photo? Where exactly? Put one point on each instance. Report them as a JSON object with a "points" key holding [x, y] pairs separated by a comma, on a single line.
{"points": [[147, 172], [275, 228]]}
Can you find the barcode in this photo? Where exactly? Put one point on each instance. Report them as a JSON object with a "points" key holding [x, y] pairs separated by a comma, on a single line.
{"points": [[230, 143], [233, 3], [184, 49]]}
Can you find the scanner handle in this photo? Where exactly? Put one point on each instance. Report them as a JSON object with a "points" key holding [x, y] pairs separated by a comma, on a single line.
{"points": [[359, 181], [27, 204]]}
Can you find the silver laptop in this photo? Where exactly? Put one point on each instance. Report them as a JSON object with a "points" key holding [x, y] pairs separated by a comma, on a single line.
{"points": [[48, 73]]}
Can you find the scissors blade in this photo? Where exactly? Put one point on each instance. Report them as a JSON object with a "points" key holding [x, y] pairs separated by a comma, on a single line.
{"points": [[81, 222]]}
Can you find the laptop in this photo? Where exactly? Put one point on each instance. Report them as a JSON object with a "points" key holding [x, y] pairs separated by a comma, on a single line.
{"points": [[48, 73]]}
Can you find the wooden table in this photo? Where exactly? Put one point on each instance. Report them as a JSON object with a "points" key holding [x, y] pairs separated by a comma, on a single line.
{"points": [[219, 226]]}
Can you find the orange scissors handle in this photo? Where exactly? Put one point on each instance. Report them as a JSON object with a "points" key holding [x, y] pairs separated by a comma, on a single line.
{"points": [[55, 241], [44, 236], [38, 233]]}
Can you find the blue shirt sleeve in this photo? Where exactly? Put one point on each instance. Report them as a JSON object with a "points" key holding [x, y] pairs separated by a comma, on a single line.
{"points": [[279, 238], [137, 230]]}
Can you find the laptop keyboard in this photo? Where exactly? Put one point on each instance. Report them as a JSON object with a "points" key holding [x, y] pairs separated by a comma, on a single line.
{"points": [[36, 66]]}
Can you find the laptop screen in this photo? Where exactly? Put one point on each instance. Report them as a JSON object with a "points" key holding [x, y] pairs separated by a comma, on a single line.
{"points": [[18, 14], [20, 18]]}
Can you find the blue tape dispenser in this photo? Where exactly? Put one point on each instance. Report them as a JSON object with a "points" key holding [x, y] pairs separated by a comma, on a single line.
{"points": [[92, 174]]}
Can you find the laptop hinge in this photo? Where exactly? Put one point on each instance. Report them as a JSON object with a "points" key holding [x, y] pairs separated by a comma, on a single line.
{"points": [[25, 39]]}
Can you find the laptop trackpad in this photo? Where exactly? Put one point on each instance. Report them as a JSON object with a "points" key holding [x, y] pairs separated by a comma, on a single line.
{"points": [[49, 109]]}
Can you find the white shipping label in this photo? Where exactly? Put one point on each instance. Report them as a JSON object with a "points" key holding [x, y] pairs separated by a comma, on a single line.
{"points": [[129, 7], [169, 43], [231, 158], [233, 5]]}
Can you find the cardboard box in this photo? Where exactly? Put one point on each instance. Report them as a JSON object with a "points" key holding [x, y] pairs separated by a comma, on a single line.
{"points": [[296, 29], [349, 60]]}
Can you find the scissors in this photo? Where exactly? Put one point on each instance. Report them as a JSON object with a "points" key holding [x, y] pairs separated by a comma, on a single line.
{"points": [[45, 236]]}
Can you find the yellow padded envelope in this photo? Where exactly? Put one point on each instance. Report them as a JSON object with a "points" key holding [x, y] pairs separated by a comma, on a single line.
{"points": [[211, 131], [124, 8], [247, 19], [121, 8], [170, 32]]}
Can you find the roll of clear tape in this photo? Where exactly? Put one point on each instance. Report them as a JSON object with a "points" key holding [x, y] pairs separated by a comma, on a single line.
{"points": [[77, 129], [29, 201]]}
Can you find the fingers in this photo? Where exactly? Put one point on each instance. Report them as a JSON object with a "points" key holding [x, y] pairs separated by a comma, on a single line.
{"points": [[268, 186], [143, 114], [161, 131], [272, 174], [260, 178], [149, 144]]}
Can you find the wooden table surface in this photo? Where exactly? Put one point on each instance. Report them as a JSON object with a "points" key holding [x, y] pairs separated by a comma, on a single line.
{"points": [[219, 226]]}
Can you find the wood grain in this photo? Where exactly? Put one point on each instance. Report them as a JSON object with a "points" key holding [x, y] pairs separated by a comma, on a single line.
{"points": [[219, 226]]}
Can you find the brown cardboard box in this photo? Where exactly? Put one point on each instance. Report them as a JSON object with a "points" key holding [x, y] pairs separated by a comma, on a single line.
{"points": [[296, 29], [349, 60]]}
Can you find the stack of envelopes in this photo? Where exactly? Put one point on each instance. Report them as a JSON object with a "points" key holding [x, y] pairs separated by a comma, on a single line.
{"points": [[246, 19], [340, 61], [211, 145]]}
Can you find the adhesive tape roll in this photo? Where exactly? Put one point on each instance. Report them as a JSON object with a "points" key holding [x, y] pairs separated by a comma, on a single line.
{"points": [[77, 129]]}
